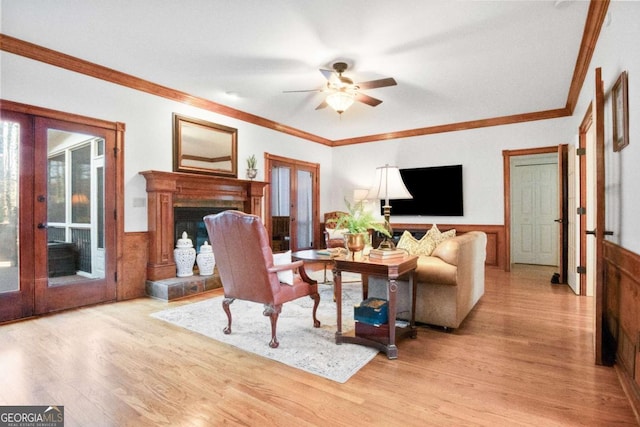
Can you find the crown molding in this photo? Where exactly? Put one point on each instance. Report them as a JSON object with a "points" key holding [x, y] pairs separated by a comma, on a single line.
{"points": [[71, 63], [454, 127], [595, 19]]}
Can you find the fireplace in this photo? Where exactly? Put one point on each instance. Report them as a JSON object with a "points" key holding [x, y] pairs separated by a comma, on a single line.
{"points": [[189, 219], [171, 192]]}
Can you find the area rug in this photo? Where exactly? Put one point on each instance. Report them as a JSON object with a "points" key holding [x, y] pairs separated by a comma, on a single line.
{"points": [[301, 345]]}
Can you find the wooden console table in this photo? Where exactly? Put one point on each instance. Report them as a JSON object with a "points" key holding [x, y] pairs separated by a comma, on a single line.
{"points": [[383, 337]]}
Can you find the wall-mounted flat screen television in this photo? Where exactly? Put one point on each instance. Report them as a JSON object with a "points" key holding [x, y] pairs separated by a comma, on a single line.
{"points": [[436, 191]]}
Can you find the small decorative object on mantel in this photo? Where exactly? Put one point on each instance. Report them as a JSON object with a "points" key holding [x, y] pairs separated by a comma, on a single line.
{"points": [[206, 260], [185, 256], [251, 167], [620, 105]]}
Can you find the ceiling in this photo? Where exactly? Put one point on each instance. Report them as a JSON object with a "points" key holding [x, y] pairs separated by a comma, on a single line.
{"points": [[454, 61]]}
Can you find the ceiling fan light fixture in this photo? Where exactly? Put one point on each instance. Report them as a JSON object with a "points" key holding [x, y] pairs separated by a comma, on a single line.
{"points": [[340, 101]]}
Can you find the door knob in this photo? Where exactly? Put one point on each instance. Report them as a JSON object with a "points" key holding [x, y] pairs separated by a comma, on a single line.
{"points": [[593, 232], [42, 226]]}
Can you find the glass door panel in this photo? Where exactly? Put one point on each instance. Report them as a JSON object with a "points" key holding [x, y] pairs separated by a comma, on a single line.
{"points": [[281, 208], [304, 215], [72, 232], [9, 206], [16, 216], [75, 200]]}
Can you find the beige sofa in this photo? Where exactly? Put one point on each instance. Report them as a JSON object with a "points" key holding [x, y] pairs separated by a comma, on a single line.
{"points": [[449, 282]]}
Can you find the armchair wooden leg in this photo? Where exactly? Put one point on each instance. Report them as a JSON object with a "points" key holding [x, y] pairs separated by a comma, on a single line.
{"points": [[225, 306], [316, 302], [273, 312]]}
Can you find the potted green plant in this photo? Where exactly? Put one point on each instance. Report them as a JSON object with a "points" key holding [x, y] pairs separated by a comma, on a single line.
{"points": [[251, 166], [358, 222]]}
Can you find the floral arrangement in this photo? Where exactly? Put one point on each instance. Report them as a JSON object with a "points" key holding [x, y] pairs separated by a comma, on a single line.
{"points": [[358, 220]]}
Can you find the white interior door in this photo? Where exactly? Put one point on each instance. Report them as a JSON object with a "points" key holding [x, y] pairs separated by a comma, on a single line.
{"points": [[534, 209]]}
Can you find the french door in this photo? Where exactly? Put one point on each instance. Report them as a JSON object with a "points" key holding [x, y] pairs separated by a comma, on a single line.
{"points": [[57, 215], [292, 203]]}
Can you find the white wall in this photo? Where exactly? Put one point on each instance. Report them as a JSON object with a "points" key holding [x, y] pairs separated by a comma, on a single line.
{"points": [[615, 52], [479, 151], [148, 119]]}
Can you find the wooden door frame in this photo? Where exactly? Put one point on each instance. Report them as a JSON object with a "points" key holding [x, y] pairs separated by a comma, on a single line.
{"points": [[585, 125], [506, 166], [563, 196], [269, 161], [604, 354], [118, 164]]}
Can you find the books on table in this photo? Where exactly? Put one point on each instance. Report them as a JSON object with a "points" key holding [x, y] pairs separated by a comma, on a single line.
{"points": [[386, 255]]}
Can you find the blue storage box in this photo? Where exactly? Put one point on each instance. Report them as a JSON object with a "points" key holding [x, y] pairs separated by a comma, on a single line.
{"points": [[373, 311]]}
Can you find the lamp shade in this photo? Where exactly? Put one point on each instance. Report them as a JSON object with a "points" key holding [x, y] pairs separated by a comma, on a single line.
{"points": [[360, 194], [388, 184], [340, 101]]}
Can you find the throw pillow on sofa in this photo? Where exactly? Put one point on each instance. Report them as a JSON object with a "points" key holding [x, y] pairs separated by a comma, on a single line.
{"points": [[438, 237], [424, 246], [428, 242]]}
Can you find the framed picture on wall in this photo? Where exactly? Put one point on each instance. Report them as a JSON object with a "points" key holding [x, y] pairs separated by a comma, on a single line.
{"points": [[620, 105]]}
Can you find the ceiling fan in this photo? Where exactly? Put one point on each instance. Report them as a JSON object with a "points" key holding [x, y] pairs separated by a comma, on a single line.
{"points": [[343, 91]]}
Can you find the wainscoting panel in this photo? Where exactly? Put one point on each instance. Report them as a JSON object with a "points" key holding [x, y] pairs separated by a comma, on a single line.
{"points": [[131, 281], [622, 293]]}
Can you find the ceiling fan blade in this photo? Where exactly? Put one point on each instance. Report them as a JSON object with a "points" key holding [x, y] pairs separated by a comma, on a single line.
{"points": [[327, 73], [323, 104], [366, 99], [307, 90], [390, 81]]}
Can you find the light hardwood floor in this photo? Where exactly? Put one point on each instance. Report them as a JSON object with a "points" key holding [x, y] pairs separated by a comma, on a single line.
{"points": [[524, 356]]}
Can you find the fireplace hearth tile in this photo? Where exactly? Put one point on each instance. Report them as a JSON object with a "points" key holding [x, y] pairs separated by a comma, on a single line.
{"points": [[180, 287]]}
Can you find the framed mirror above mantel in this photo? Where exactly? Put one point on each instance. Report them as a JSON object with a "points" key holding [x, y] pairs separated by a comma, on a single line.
{"points": [[203, 147]]}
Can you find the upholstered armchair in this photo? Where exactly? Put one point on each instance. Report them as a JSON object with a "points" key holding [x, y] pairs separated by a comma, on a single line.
{"points": [[249, 272], [333, 238]]}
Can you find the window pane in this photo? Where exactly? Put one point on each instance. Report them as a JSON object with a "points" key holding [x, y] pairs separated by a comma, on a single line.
{"points": [[100, 206], [9, 203], [81, 185], [56, 189], [99, 147], [305, 209], [82, 239], [280, 191]]}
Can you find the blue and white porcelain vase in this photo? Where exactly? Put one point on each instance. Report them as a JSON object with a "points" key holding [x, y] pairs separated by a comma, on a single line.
{"points": [[206, 260], [185, 256]]}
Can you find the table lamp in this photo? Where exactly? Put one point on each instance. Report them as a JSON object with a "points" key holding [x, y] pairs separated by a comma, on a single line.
{"points": [[387, 185]]}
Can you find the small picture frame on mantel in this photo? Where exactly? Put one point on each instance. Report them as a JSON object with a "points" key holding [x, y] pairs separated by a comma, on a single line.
{"points": [[620, 105]]}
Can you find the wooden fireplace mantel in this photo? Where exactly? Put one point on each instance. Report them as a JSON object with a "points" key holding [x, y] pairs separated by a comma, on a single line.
{"points": [[167, 190]]}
